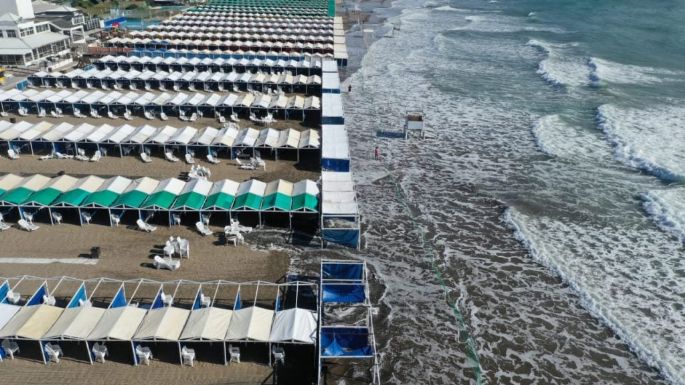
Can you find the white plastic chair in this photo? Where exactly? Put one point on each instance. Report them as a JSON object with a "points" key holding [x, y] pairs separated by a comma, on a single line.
{"points": [[57, 217], [49, 300], [170, 156], [115, 219], [205, 301], [87, 217], [188, 356], [100, 352], [144, 354], [167, 299], [53, 351], [11, 348], [96, 156], [234, 351], [13, 297]]}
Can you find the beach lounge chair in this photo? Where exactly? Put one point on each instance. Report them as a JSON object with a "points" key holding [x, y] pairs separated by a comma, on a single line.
{"points": [[234, 117], [188, 356], [25, 225], [94, 114], [144, 354], [100, 352], [149, 115], [77, 113], [53, 351], [12, 154], [145, 157], [169, 155], [203, 229], [127, 115], [166, 263], [234, 352], [47, 157], [211, 159], [96, 156], [236, 226], [244, 166], [23, 111], [57, 217], [163, 116], [193, 117], [3, 226], [111, 115], [144, 226], [11, 348], [42, 113], [189, 158], [59, 155], [55, 114]]}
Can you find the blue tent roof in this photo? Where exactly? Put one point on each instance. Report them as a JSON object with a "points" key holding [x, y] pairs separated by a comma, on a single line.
{"points": [[343, 293], [345, 342]]}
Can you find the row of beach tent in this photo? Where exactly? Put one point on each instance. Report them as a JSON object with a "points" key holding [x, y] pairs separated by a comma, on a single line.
{"points": [[100, 312], [245, 27], [228, 54], [48, 138], [235, 16], [233, 36], [298, 47]]}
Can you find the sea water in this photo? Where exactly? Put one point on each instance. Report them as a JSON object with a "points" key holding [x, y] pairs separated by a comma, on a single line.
{"points": [[548, 194]]}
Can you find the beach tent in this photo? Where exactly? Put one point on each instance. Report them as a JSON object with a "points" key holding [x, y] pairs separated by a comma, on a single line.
{"points": [[335, 152], [222, 195], [136, 193], [51, 191], [294, 325], [250, 324], [193, 195], [107, 193], [79, 191], [7, 309], [23, 190], [164, 323], [164, 195], [118, 324], [278, 196], [249, 195], [207, 324], [305, 196]]}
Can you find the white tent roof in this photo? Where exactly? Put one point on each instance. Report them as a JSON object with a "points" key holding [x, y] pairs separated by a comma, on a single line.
{"points": [[252, 186], [279, 186], [305, 186], [110, 97], [35, 131], [89, 183], [121, 133], [247, 137], [34, 182], [225, 186], [165, 323], [57, 132], [118, 324], [206, 136], [197, 185], [7, 311], [162, 136], [76, 323], [184, 135], [117, 184], [16, 130], [252, 323], [31, 322], [268, 138], [93, 97], [226, 136], [128, 98], [9, 181], [179, 99], [100, 133], [172, 185], [210, 323], [79, 133], [297, 325], [142, 134], [309, 138], [145, 185], [335, 144], [62, 183]]}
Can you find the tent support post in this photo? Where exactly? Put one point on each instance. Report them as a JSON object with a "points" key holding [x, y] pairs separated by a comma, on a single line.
{"points": [[90, 357]]}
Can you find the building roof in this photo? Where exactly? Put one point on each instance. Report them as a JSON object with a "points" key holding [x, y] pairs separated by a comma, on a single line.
{"points": [[24, 45]]}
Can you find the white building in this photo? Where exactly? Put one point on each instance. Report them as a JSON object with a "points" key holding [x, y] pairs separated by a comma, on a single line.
{"points": [[25, 40]]}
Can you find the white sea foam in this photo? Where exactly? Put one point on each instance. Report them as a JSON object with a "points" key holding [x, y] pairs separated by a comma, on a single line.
{"points": [[554, 136], [667, 209], [626, 293], [503, 24], [602, 70], [560, 67], [449, 9], [651, 139]]}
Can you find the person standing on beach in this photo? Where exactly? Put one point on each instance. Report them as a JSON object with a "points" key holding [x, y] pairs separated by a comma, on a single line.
{"points": [[349, 88], [377, 153]]}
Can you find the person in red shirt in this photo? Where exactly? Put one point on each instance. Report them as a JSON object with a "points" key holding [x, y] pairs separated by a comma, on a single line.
{"points": [[377, 153]]}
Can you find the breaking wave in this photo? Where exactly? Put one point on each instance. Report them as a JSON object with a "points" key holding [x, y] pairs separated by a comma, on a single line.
{"points": [[667, 209], [559, 68], [602, 70]]}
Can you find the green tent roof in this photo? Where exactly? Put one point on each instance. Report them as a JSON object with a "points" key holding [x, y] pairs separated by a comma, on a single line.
{"points": [[16, 196], [190, 200], [305, 202], [219, 200], [103, 198], [277, 201], [43, 197], [247, 201], [71, 198], [133, 199], [159, 200]]}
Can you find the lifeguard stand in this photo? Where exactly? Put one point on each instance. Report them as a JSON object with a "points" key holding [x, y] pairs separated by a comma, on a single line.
{"points": [[414, 122]]}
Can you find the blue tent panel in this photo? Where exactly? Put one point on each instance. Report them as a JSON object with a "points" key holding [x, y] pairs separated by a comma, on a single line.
{"points": [[158, 303], [333, 164], [333, 270], [342, 237], [4, 289], [119, 299], [345, 342], [237, 305], [343, 293], [79, 297], [197, 304], [37, 297]]}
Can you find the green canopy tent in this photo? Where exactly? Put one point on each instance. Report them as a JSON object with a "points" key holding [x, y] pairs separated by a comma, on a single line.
{"points": [[78, 194], [221, 197], [192, 198], [22, 191], [164, 196], [133, 197], [249, 197], [278, 197], [305, 197], [44, 197], [106, 195]]}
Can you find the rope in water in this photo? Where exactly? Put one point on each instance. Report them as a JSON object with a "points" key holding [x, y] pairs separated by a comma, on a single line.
{"points": [[471, 351]]}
